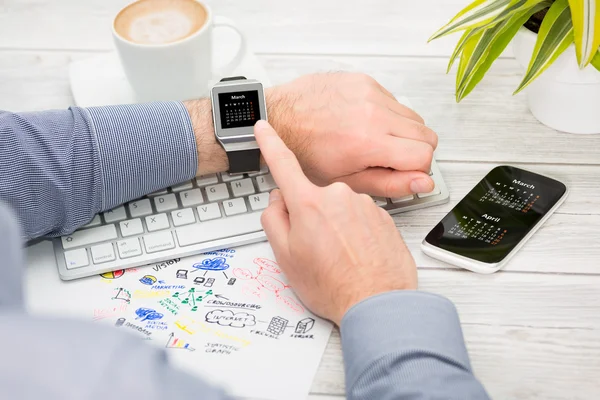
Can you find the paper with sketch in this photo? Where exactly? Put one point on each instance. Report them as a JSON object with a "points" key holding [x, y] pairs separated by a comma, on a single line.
{"points": [[227, 316]]}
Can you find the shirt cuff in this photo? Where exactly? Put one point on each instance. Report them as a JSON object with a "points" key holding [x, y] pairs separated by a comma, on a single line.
{"points": [[142, 148], [400, 322]]}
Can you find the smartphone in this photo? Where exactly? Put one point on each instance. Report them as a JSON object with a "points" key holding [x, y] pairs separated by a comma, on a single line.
{"points": [[489, 225]]}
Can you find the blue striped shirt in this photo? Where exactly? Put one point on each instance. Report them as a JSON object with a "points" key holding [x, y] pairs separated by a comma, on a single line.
{"points": [[59, 168]]}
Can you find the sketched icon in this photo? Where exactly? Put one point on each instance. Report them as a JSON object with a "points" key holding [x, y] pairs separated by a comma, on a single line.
{"points": [[176, 343], [277, 325], [182, 273], [212, 264], [113, 274], [209, 282], [147, 314], [199, 280], [122, 294], [120, 322], [305, 325], [148, 280]]}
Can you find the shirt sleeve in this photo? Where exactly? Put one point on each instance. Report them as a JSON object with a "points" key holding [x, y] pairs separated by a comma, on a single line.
{"points": [[59, 168], [406, 345]]}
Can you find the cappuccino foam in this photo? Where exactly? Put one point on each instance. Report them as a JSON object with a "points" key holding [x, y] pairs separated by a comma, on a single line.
{"points": [[160, 21]]}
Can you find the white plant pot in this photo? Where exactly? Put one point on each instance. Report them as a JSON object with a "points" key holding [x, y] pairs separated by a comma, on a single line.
{"points": [[563, 97]]}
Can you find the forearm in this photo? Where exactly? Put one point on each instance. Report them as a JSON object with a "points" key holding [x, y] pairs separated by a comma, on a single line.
{"points": [[406, 344], [60, 168]]}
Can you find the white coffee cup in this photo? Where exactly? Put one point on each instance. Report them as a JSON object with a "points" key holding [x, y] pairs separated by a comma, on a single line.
{"points": [[178, 70]]}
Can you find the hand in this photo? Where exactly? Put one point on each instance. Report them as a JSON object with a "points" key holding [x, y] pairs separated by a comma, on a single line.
{"points": [[335, 246], [345, 127]]}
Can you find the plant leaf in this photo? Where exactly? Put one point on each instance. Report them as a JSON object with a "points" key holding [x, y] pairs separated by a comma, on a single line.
{"points": [[596, 60], [586, 24], [478, 13], [460, 46], [491, 45], [555, 35]]}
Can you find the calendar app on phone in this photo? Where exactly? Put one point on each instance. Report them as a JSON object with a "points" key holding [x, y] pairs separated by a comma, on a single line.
{"points": [[496, 214]]}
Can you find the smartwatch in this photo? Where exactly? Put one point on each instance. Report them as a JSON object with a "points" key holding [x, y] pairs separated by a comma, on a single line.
{"points": [[237, 104]]}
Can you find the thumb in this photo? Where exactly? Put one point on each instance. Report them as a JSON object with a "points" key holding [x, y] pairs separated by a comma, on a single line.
{"points": [[275, 220]]}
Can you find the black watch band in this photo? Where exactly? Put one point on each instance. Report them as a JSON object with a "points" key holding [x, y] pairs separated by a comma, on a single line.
{"points": [[243, 161]]}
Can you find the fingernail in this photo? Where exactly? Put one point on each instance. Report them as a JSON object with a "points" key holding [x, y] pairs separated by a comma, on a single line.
{"points": [[274, 195], [261, 124], [421, 185]]}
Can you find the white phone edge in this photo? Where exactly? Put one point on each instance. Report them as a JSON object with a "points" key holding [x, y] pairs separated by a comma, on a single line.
{"points": [[479, 266]]}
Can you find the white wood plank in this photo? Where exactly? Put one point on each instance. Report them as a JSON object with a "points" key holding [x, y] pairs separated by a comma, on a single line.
{"points": [[391, 27], [528, 336], [488, 126]]}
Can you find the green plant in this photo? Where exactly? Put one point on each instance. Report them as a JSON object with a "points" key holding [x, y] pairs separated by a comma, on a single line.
{"points": [[489, 25]]}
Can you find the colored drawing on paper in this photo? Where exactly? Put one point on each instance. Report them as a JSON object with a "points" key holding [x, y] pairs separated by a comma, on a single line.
{"points": [[147, 314], [121, 294], [229, 318], [192, 298], [148, 280], [176, 343], [212, 264], [113, 274]]}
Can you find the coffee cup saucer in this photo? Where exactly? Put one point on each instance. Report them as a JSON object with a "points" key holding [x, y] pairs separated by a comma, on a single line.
{"points": [[100, 80]]}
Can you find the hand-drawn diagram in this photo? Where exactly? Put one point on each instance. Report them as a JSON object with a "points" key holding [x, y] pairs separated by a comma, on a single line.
{"points": [[209, 282], [231, 281], [229, 318], [182, 273], [260, 285], [113, 274], [148, 280], [120, 322], [191, 297], [214, 264], [147, 314], [305, 325], [122, 294], [176, 343], [199, 280], [277, 325]]}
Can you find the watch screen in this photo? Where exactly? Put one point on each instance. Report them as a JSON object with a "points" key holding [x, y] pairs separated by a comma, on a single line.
{"points": [[239, 109], [497, 214]]}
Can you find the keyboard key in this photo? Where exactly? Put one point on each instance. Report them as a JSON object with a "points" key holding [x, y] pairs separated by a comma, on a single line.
{"points": [[266, 183], [140, 208], [434, 192], [209, 211], [159, 241], [157, 222], [89, 236], [209, 179], [191, 197], [103, 253], [243, 187], [114, 215], [220, 229], [182, 186], [234, 206], [217, 192], [94, 222], [76, 258], [380, 201], [165, 202], [259, 201], [263, 170], [183, 217], [129, 248], [402, 199], [225, 177], [131, 227], [159, 193]]}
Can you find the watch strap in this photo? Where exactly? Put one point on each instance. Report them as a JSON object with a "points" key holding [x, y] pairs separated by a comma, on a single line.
{"points": [[243, 161]]}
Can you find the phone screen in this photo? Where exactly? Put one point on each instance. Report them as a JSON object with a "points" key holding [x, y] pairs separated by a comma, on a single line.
{"points": [[497, 214]]}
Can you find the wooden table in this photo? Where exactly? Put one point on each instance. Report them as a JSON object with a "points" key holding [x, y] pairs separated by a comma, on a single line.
{"points": [[533, 329]]}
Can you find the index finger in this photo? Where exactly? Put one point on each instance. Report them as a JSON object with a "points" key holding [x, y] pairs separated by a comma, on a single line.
{"points": [[282, 162]]}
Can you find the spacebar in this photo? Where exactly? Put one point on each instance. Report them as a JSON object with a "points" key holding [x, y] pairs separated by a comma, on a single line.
{"points": [[219, 229]]}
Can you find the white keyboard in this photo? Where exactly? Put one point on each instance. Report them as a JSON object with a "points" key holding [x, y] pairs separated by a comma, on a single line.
{"points": [[208, 213]]}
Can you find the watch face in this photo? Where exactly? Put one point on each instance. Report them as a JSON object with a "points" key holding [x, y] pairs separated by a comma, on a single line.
{"points": [[239, 109]]}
